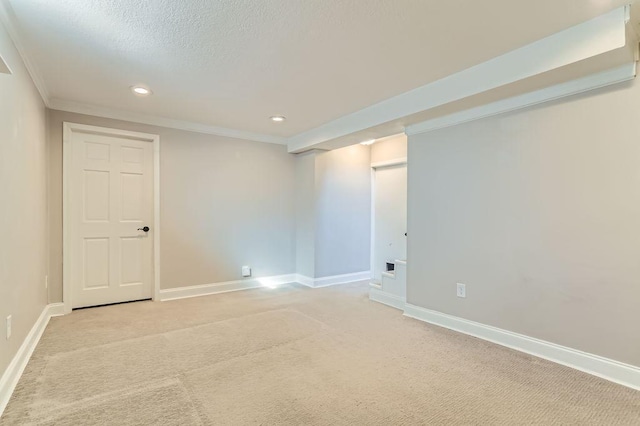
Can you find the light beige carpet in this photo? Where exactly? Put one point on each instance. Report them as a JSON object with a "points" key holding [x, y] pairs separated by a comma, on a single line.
{"points": [[293, 355]]}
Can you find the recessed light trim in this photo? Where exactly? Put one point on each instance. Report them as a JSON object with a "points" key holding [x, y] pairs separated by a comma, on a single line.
{"points": [[369, 142], [141, 90], [277, 118]]}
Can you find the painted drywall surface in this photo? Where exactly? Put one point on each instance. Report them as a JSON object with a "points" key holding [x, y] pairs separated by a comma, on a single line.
{"points": [[305, 184], [23, 210], [224, 203], [389, 149], [538, 213], [343, 211], [333, 211]]}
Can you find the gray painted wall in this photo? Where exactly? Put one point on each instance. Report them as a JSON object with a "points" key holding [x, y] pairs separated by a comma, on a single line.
{"points": [[224, 203], [306, 213], [333, 199], [23, 202], [343, 209], [538, 213]]}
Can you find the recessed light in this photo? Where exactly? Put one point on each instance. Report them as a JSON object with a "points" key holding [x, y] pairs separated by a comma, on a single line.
{"points": [[278, 118], [140, 90], [369, 142]]}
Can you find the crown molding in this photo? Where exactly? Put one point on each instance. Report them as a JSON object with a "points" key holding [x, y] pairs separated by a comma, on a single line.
{"points": [[597, 36], [606, 78], [117, 114], [8, 19]]}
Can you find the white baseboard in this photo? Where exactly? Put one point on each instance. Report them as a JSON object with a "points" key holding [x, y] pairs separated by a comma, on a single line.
{"points": [[56, 309], [12, 374], [624, 374], [386, 298], [224, 287], [332, 280], [304, 280]]}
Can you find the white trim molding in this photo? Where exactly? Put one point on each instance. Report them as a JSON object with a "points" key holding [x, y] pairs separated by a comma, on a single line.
{"points": [[14, 371], [67, 130], [616, 75], [224, 287], [251, 283], [332, 280], [380, 296], [614, 371], [190, 126], [390, 163], [56, 309]]}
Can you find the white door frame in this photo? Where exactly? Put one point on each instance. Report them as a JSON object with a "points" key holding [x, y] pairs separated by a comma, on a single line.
{"points": [[68, 129], [374, 166]]}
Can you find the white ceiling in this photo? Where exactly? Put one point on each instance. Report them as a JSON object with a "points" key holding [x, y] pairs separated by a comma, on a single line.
{"points": [[234, 63]]}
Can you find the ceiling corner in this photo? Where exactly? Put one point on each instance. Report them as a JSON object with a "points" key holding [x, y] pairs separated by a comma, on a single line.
{"points": [[8, 19]]}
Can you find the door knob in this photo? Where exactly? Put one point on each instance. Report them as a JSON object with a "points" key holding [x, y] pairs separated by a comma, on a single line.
{"points": [[145, 229]]}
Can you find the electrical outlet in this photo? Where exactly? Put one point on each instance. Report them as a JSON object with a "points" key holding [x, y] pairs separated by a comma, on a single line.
{"points": [[246, 271], [461, 290], [8, 327]]}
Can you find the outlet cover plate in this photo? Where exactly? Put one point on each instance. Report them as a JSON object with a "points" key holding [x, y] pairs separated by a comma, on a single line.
{"points": [[246, 271]]}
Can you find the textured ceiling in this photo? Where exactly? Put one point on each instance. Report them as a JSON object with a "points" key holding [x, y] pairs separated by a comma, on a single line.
{"points": [[234, 63]]}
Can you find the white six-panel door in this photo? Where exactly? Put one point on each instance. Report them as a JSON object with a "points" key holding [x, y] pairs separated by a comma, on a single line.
{"points": [[110, 184]]}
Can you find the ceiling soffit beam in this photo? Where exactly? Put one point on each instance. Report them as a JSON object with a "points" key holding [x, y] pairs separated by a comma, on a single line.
{"points": [[616, 75], [583, 41]]}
